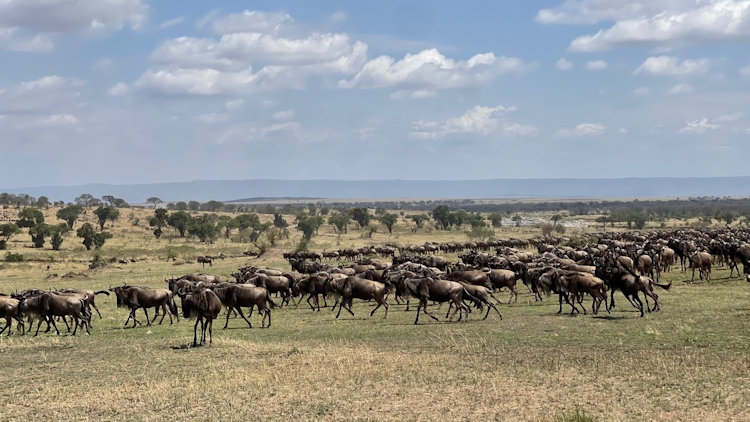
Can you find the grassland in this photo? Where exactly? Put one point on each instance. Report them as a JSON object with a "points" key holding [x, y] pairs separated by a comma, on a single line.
{"points": [[691, 361]]}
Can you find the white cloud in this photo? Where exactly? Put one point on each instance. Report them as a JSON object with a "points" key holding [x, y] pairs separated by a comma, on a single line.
{"points": [[234, 104], [699, 126], [118, 89], [733, 117], [596, 65], [419, 94], [745, 71], [664, 22], [431, 69], [595, 11], [41, 95], [680, 89], [30, 25], [284, 115], [672, 66], [563, 64], [172, 22], [212, 118], [339, 16], [60, 120], [278, 132], [642, 91], [250, 21], [581, 130], [623, 131], [480, 120]]}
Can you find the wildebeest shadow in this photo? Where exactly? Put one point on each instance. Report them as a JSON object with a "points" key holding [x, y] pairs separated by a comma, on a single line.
{"points": [[185, 346], [609, 317]]}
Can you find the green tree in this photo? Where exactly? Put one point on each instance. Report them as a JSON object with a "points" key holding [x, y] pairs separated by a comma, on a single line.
{"points": [[104, 214], [639, 221], [226, 223], [476, 220], [442, 216], [361, 215], [212, 206], [517, 219], [87, 233], [158, 221], [556, 219], [6, 232], [180, 220], [419, 219], [340, 222], [204, 229], [29, 217], [181, 206], [57, 234], [39, 234], [278, 221], [308, 226], [42, 202], [154, 201], [496, 219], [194, 205], [100, 238], [247, 221], [86, 200], [389, 220], [70, 214]]}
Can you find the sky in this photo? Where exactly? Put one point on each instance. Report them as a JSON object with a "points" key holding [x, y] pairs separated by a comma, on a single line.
{"points": [[139, 91]]}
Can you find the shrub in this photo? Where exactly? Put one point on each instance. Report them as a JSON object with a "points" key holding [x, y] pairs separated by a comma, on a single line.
{"points": [[302, 245], [13, 257], [97, 262]]}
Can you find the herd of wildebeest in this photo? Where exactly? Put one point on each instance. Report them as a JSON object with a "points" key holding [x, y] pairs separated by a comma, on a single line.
{"points": [[630, 262]]}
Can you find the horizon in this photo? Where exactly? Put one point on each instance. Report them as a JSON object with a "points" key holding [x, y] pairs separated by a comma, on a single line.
{"points": [[128, 91]]}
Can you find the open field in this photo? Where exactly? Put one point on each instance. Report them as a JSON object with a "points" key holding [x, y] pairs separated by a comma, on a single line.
{"points": [[691, 361]]}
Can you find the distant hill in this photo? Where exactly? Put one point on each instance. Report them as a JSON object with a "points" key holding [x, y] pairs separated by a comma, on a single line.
{"points": [[229, 190]]}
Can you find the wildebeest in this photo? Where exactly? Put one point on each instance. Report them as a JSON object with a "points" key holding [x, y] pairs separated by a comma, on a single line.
{"points": [[135, 297], [235, 296], [701, 261], [204, 306], [9, 310], [47, 305], [354, 287]]}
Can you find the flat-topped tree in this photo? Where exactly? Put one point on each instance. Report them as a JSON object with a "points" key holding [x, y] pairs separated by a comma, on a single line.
{"points": [[154, 201], [70, 214]]}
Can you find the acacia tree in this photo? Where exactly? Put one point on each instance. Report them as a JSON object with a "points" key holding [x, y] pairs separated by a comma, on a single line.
{"points": [[70, 214], [442, 216], [105, 214], [389, 220], [419, 220], [496, 219], [154, 200], [227, 223], [39, 234], [361, 216], [279, 221], [86, 200], [340, 222], [29, 217], [57, 234], [159, 220], [6, 232], [517, 219], [180, 220]]}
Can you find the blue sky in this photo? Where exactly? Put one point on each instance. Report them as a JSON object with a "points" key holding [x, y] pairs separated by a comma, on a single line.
{"points": [[138, 91]]}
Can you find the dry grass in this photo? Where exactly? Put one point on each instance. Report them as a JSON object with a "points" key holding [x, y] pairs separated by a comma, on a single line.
{"points": [[689, 362]]}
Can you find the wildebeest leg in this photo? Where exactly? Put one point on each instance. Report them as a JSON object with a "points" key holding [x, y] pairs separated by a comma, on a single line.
{"points": [[148, 321], [195, 331], [325, 302], [52, 320], [560, 300], [341, 306], [309, 298], [211, 331], [375, 309], [226, 322], [407, 306], [239, 310], [639, 304], [96, 309], [75, 320], [7, 326]]}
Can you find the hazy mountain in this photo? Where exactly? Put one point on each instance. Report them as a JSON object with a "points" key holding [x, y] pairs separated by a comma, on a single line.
{"points": [[227, 190]]}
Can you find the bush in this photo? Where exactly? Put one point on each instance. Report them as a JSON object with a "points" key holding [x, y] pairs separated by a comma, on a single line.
{"points": [[302, 245], [97, 262], [480, 233], [547, 229], [13, 257], [577, 416]]}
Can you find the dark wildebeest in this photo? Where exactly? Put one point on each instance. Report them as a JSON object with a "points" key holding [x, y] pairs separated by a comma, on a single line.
{"points": [[91, 297], [46, 306], [204, 306], [360, 288], [9, 310], [135, 297], [235, 296]]}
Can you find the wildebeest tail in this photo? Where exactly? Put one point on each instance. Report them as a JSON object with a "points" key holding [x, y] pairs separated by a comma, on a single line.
{"points": [[271, 303], [471, 298], [664, 286], [101, 292]]}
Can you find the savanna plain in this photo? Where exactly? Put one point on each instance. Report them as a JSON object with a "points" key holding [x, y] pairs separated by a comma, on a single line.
{"points": [[689, 361]]}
